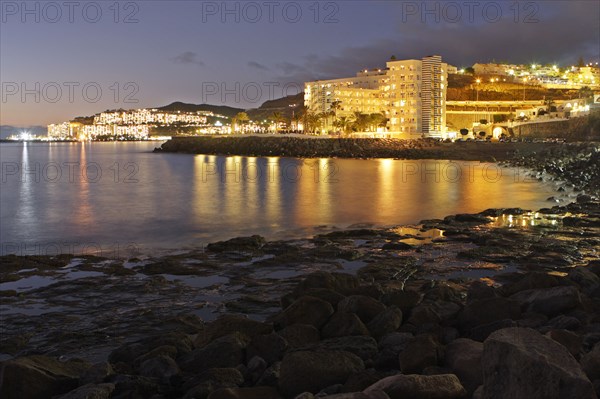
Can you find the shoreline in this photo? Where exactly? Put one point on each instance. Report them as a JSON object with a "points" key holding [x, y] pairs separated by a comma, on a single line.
{"points": [[371, 313], [190, 302]]}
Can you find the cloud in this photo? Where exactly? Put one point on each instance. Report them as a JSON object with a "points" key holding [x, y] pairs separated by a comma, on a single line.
{"points": [[187, 58], [256, 65], [560, 32]]}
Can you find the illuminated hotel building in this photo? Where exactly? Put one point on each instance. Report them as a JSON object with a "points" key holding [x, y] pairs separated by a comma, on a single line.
{"points": [[410, 93]]}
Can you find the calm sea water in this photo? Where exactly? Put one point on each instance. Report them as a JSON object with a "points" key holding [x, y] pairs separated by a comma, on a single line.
{"points": [[118, 199]]}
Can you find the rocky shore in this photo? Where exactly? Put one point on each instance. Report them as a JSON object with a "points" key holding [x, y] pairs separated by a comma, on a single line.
{"points": [[505, 303], [303, 147]]}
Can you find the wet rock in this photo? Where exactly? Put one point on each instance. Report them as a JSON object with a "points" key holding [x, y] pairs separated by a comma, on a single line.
{"points": [[246, 393], [91, 391], [549, 301], [359, 395], [35, 377], [468, 218], [385, 322], [298, 335], [366, 308], [305, 310], [325, 294], [270, 347], [343, 324], [160, 367], [397, 246], [590, 363], [205, 383], [133, 386], [311, 371], [339, 282], [127, 353], [445, 386], [533, 280], [229, 324], [482, 331], [271, 376], [478, 290], [238, 244], [165, 350], [562, 322], [363, 347], [568, 339], [96, 374], [485, 311], [405, 300], [227, 351], [362, 380], [520, 362], [390, 347], [256, 367], [585, 279], [422, 351], [463, 357]]}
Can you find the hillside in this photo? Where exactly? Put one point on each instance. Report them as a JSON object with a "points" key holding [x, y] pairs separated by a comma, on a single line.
{"points": [[217, 109], [286, 106]]}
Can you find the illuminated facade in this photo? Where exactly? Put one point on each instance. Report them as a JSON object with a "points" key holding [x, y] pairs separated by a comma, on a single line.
{"points": [[410, 93]]}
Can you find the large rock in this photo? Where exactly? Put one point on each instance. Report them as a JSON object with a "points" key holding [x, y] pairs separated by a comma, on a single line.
{"points": [[385, 322], [442, 386], [405, 300], [339, 282], [522, 363], [160, 367], [590, 362], [489, 310], [270, 347], [584, 278], [205, 383], [229, 324], [361, 346], [311, 371], [359, 395], [246, 393], [463, 357], [533, 280], [549, 301], [421, 352], [343, 324], [227, 351], [305, 310], [40, 377], [365, 307], [91, 391], [237, 244], [298, 335]]}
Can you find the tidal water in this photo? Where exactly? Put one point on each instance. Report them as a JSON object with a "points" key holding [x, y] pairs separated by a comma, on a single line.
{"points": [[120, 199]]}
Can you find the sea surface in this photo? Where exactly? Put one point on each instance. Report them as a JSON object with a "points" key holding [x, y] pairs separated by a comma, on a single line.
{"points": [[123, 200]]}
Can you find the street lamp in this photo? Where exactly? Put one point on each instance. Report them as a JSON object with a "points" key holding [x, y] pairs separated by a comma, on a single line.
{"points": [[293, 107], [478, 81]]}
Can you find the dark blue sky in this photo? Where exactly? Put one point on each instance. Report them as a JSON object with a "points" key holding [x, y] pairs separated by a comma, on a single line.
{"points": [[193, 51]]}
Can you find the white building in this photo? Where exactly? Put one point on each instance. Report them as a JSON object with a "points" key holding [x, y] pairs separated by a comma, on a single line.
{"points": [[410, 93]]}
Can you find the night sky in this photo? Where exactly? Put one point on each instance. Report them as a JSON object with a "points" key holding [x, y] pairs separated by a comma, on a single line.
{"points": [[191, 50]]}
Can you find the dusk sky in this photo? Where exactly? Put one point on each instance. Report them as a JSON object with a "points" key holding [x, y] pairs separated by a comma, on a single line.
{"points": [[185, 51]]}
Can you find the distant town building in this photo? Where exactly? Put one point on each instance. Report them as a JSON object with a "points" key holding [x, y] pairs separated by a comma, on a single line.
{"points": [[411, 94], [131, 124]]}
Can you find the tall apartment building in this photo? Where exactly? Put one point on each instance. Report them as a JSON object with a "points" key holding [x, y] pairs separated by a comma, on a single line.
{"points": [[410, 93]]}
